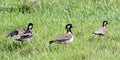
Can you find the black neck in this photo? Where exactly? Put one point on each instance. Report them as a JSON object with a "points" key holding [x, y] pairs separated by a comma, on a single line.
{"points": [[29, 28], [104, 25], [69, 30]]}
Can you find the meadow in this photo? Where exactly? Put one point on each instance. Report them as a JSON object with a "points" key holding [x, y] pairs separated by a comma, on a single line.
{"points": [[49, 18]]}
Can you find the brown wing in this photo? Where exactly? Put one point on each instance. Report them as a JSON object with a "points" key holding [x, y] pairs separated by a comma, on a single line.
{"points": [[101, 31], [21, 31], [64, 37], [25, 36], [28, 33]]}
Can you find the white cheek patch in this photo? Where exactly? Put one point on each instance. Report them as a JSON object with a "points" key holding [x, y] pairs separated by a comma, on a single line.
{"points": [[105, 23], [68, 26], [30, 26]]}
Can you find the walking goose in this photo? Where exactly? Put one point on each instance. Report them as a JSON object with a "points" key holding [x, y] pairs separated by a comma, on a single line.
{"points": [[24, 34]]}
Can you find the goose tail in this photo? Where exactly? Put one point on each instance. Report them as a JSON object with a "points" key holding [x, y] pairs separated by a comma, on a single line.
{"points": [[12, 33]]}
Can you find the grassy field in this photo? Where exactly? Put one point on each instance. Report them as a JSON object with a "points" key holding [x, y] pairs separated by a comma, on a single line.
{"points": [[49, 18]]}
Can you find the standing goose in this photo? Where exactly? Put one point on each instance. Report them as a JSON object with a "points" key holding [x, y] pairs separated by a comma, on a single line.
{"points": [[66, 38], [103, 30], [24, 34]]}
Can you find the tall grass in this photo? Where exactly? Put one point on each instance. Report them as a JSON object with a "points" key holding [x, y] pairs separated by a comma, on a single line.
{"points": [[49, 18]]}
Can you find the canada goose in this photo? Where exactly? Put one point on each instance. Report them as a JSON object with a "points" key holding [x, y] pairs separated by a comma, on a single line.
{"points": [[103, 30], [66, 38], [24, 34]]}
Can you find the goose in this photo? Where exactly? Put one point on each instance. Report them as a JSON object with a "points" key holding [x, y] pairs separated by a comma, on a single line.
{"points": [[24, 34], [64, 39], [102, 31]]}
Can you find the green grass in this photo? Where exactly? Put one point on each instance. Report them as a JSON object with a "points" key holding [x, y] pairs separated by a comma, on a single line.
{"points": [[49, 18]]}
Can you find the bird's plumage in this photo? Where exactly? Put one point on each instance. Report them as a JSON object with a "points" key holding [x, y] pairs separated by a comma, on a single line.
{"points": [[102, 30], [23, 34], [64, 39]]}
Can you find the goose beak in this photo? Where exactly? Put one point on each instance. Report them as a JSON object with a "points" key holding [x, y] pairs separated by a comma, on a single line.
{"points": [[33, 26], [108, 22], [73, 26]]}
